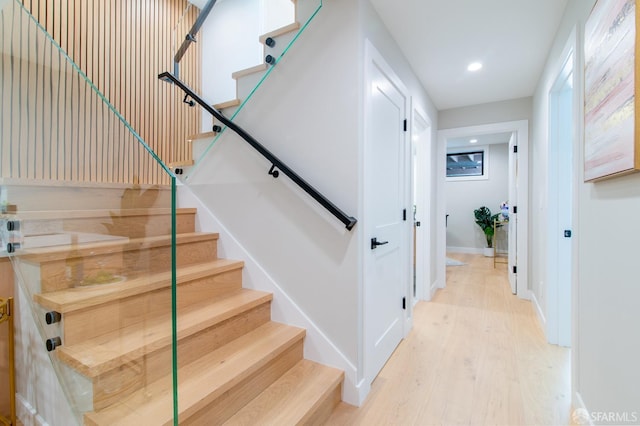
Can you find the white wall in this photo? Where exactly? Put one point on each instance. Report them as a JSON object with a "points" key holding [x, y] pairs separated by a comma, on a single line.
{"points": [[276, 14], [494, 112], [306, 113], [229, 39], [464, 196], [606, 348]]}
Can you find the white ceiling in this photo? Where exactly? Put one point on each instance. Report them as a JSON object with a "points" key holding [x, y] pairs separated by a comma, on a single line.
{"points": [[441, 37]]}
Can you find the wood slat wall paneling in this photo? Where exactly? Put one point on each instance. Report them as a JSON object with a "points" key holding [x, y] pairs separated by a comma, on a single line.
{"points": [[54, 127]]}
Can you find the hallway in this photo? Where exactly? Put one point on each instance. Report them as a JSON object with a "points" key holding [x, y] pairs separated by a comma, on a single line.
{"points": [[476, 355]]}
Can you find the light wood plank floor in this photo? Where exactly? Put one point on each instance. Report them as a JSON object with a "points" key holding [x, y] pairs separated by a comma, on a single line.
{"points": [[476, 356]]}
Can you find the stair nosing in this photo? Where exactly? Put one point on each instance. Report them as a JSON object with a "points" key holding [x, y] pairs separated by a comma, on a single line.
{"points": [[227, 104], [128, 288], [248, 71], [156, 341], [55, 253], [98, 213], [199, 136], [280, 31]]}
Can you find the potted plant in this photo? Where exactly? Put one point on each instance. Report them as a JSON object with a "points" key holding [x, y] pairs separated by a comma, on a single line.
{"points": [[485, 220]]}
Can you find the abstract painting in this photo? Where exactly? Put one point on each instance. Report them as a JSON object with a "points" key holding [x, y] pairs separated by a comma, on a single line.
{"points": [[611, 147]]}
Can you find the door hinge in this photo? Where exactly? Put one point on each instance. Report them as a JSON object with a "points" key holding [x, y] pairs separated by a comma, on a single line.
{"points": [[515, 209], [515, 269], [515, 149], [404, 214], [404, 303], [404, 124]]}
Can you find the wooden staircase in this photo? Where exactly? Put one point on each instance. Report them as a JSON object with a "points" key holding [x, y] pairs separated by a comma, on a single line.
{"points": [[246, 81], [235, 365]]}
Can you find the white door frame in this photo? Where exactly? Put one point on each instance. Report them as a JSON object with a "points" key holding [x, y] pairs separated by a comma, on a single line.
{"points": [[557, 295], [373, 56], [521, 127], [512, 225], [422, 184]]}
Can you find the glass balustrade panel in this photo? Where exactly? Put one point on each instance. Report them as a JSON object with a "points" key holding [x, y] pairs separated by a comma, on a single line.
{"points": [[88, 222]]}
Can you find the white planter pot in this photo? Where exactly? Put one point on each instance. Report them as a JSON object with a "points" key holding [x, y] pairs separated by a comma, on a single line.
{"points": [[488, 252]]}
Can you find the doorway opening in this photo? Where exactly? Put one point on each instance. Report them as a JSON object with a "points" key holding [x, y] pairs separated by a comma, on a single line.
{"points": [[421, 194], [482, 172], [515, 135]]}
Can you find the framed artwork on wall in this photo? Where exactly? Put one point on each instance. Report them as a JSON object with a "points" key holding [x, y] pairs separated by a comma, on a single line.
{"points": [[610, 114]]}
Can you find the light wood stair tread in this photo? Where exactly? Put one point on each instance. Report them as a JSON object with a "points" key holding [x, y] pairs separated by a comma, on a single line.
{"points": [[98, 213], [46, 254], [72, 299], [198, 136], [248, 71], [202, 381], [228, 104], [110, 350], [280, 31], [292, 398]]}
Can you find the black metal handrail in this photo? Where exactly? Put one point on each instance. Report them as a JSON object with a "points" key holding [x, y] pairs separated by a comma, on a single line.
{"points": [[191, 36], [276, 163]]}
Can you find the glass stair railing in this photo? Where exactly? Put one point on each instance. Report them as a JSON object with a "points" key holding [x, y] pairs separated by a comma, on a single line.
{"points": [[237, 60], [90, 224], [102, 257]]}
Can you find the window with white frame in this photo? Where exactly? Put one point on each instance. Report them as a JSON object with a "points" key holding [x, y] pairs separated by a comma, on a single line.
{"points": [[468, 163]]}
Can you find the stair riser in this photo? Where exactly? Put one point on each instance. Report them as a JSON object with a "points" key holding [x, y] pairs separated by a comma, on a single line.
{"points": [[66, 273], [245, 84], [58, 196], [324, 409], [132, 226], [282, 41], [116, 384], [225, 406], [112, 316]]}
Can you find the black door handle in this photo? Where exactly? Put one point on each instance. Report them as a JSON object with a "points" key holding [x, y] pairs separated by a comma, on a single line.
{"points": [[375, 243]]}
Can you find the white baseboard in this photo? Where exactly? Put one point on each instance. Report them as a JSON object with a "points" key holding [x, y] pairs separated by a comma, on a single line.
{"points": [[434, 287], [318, 347], [471, 250], [538, 309], [580, 414], [465, 250]]}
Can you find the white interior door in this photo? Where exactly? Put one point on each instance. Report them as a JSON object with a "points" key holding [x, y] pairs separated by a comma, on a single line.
{"points": [[565, 213], [560, 203], [387, 184], [513, 217]]}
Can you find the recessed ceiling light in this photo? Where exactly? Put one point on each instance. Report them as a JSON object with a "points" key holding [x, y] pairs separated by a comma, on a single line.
{"points": [[473, 140], [474, 66]]}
